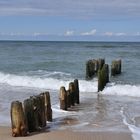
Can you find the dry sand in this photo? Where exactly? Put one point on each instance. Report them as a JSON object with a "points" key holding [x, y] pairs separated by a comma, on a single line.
{"points": [[5, 134]]}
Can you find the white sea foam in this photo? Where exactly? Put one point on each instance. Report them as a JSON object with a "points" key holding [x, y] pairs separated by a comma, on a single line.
{"points": [[122, 90], [47, 83], [135, 130], [52, 83]]}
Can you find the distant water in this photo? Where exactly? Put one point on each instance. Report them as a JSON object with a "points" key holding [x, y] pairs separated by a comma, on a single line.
{"points": [[28, 68]]}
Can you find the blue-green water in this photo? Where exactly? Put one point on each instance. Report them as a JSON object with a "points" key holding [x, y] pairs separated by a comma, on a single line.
{"points": [[27, 68], [32, 58]]}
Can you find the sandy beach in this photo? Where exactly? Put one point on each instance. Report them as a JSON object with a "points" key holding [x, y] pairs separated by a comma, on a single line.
{"points": [[5, 134]]}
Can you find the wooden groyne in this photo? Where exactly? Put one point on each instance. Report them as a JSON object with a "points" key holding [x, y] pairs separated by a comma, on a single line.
{"points": [[32, 115], [98, 67], [71, 96], [92, 67]]}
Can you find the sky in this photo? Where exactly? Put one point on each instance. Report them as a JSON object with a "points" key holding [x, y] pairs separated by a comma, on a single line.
{"points": [[70, 20]]}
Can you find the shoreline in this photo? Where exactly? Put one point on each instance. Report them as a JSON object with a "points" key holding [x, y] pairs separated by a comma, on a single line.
{"points": [[5, 134]]}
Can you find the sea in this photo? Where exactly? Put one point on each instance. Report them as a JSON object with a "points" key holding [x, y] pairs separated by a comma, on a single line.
{"points": [[29, 68]]}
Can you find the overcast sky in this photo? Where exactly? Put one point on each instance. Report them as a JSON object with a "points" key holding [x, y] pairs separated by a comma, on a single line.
{"points": [[95, 20]]}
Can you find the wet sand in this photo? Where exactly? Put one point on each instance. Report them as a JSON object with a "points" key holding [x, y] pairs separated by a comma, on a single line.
{"points": [[5, 134], [94, 119]]}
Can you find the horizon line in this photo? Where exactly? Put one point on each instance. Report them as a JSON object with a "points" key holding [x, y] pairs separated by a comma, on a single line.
{"points": [[106, 41]]}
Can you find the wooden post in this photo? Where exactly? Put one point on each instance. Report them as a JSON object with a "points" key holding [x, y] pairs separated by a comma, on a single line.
{"points": [[48, 109], [107, 72], [116, 67], [18, 121], [34, 109], [103, 77], [72, 93], [120, 66], [90, 69], [31, 114], [41, 110], [76, 84], [63, 98], [101, 62], [96, 63], [68, 99]]}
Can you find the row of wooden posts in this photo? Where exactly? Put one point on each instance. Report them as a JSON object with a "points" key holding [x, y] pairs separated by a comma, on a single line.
{"points": [[69, 97], [100, 69], [32, 114]]}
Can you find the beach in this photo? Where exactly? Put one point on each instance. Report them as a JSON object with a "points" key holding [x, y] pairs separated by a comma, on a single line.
{"points": [[5, 134], [92, 119], [30, 68]]}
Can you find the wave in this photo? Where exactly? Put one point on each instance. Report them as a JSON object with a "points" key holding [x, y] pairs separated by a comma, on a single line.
{"points": [[47, 82], [46, 74], [122, 90], [52, 83]]}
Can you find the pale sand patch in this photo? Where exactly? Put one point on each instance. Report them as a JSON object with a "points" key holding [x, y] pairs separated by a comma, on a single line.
{"points": [[5, 134]]}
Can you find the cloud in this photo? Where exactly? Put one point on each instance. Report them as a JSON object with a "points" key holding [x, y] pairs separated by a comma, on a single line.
{"points": [[137, 34], [12, 34], [108, 33], [72, 8], [39, 34], [120, 34], [23, 34], [92, 32], [114, 34], [69, 33]]}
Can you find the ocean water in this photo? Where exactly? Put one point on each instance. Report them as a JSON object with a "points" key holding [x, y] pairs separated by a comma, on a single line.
{"points": [[28, 68]]}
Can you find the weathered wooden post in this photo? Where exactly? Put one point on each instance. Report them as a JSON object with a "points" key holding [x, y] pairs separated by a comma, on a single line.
{"points": [[103, 77], [63, 98], [72, 93], [76, 84], [101, 62], [90, 69], [96, 63], [107, 72], [48, 109], [34, 109], [31, 114], [18, 120], [120, 66], [68, 99], [116, 67], [41, 110]]}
